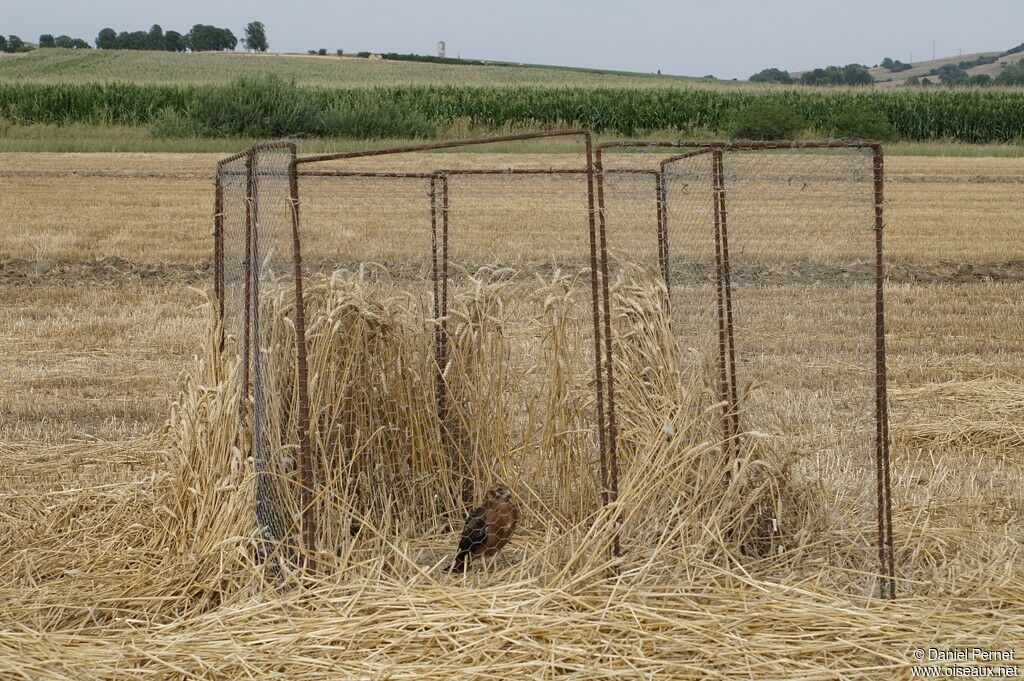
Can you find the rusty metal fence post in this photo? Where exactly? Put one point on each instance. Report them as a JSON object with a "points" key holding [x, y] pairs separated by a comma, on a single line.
{"points": [[661, 204], [218, 253], [439, 277], [722, 230], [883, 464], [247, 338], [725, 375], [609, 460], [264, 510], [307, 475]]}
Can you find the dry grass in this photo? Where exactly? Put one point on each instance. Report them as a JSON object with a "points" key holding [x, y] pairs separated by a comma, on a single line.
{"points": [[133, 558], [92, 360], [703, 589]]}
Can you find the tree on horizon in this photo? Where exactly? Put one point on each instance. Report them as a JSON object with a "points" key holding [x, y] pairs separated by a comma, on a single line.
{"points": [[256, 37]]}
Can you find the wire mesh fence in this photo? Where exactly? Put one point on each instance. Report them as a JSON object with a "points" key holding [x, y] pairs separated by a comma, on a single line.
{"points": [[429, 386], [231, 255], [464, 327], [260, 316], [771, 259]]}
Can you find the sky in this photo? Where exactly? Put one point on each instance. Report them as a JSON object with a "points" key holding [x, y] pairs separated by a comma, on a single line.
{"points": [[725, 38]]}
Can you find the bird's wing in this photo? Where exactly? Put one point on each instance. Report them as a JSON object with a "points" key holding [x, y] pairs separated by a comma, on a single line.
{"points": [[475, 530]]}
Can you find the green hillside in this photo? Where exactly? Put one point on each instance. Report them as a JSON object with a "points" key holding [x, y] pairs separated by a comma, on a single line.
{"points": [[169, 68]]}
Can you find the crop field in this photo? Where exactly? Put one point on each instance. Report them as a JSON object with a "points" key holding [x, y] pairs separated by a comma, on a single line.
{"points": [[211, 96], [165, 68], [974, 115], [127, 513]]}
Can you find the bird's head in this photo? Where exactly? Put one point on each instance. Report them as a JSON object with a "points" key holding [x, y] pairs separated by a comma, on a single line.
{"points": [[500, 492]]}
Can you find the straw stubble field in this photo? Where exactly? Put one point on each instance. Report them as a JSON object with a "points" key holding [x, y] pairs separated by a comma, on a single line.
{"points": [[128, 515]]}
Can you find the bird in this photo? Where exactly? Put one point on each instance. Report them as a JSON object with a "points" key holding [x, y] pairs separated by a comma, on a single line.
{"points": [[488, 527]]}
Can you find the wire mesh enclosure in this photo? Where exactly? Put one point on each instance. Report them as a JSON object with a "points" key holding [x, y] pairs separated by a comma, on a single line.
{"points": [[415, 333], [771, 257], [426, 291]]}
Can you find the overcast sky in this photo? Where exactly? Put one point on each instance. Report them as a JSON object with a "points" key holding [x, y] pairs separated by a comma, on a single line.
{"points": [[726, 38]]}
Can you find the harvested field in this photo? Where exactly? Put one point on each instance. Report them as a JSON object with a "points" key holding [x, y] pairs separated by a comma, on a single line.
{"points": [[129, 521]]}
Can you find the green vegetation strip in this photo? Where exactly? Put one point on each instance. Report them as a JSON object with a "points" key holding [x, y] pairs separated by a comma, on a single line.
{"points": [[269, 107]]}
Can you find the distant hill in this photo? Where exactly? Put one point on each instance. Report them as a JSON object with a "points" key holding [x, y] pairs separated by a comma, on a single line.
{"points": [[148, 67], [884, 78], [920, 69]]}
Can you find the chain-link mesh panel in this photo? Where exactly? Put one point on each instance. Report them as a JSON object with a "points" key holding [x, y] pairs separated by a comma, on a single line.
{"points": [[432, 287], [664, 345], [518, 299], [658, 210], [255, 265], [691, 263], [379, 221], [631, 211], [799, 228], [366, 238], [769, 255], [233, 250], [534, 222], [275, 414]]}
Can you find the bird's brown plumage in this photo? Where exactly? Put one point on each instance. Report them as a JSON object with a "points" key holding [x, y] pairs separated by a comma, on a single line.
{"points": [[488, 527]]}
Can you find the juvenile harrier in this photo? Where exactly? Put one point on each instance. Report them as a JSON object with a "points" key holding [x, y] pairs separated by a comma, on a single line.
{"points": [[488, 527]]}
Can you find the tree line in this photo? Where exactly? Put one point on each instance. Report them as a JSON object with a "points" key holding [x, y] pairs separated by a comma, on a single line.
{"points": [[851, 74], [201, 38], [67, 42]]}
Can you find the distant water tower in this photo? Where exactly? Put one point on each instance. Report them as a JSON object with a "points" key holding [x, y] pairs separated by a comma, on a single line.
{"points": [[440, 48]]}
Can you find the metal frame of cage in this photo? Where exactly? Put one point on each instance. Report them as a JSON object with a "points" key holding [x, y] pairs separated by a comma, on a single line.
{"points": [[439, 262], [604, 373], [439, 206], [727, 352]]}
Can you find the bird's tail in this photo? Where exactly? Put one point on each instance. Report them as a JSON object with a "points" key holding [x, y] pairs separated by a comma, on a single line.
{"points": [[460, 562]]}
